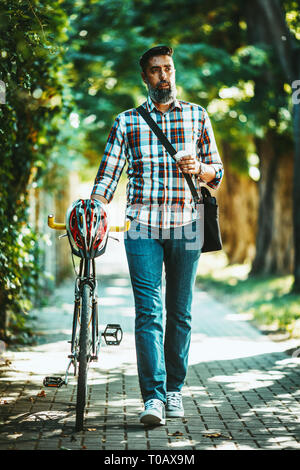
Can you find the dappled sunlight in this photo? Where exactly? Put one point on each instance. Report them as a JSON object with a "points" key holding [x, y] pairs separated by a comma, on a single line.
{"points": [[288, 363], [246, 381], [240, 385], [197, 391], [182, 443], [217, 266], [212, 262], [68, 308], [239, 317], [116, 403], [15, 435], [111, 301], [211, 405], [46, 416], [210, 348], [116, 291], [97, 379], [211, 399]]}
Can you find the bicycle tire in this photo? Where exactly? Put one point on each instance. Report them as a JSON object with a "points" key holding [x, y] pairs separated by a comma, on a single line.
{"points": [[83, 358], [95, 328], [75, 336]]}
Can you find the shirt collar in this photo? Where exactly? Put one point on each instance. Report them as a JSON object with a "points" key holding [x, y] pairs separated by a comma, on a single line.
{"points": [[151, 106]]}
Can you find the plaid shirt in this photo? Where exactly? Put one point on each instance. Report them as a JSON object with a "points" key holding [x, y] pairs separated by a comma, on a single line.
{"points": [[157, 193]]}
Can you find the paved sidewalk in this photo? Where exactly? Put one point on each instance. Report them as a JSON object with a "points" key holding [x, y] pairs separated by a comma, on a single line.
{"points": [[241, 392]]}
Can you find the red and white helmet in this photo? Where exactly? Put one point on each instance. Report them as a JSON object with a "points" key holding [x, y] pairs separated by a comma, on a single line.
{"points": [[87, 228]]}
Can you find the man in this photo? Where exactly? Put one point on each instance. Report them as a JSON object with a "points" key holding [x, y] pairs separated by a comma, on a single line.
{"points": [[164, 218]]}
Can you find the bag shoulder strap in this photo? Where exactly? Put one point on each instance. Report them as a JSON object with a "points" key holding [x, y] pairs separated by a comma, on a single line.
{"points": [[168, 146]]}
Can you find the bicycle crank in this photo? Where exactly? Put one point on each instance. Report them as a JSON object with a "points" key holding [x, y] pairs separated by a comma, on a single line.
{"points": [[113, 334], [57, 382]]}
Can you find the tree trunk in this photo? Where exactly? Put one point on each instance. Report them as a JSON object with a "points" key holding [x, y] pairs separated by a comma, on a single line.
{"points": [[274, 241], [268, 175], [238, 201]]}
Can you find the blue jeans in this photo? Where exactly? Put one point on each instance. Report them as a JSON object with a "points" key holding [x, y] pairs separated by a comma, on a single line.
{"points": [[162, 360]]}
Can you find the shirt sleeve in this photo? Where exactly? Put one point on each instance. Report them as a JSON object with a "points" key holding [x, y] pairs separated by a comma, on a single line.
{"points": [[112, 163], [208, 151]]}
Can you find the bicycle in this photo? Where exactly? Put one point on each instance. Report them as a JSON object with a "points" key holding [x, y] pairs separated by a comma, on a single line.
{"points": [[88, 232]]}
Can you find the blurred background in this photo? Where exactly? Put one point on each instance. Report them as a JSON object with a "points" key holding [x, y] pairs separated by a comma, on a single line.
{"points": [[69, 67]]}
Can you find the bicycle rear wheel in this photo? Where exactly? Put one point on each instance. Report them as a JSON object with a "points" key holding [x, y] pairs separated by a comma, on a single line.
{"points": [[83, 357]]}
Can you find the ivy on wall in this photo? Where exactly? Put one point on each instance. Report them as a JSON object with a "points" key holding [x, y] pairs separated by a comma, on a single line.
{"points": [[31, 64]]}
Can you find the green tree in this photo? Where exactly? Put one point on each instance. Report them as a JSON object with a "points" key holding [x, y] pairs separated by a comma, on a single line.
{"points": [[31, 54]]}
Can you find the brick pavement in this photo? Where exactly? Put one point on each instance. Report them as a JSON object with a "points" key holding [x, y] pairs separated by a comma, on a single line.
{"points": [[241, 391]]}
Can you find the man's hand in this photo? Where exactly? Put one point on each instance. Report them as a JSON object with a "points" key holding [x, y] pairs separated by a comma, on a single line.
{"points": [[189, 164], [100, 198]]}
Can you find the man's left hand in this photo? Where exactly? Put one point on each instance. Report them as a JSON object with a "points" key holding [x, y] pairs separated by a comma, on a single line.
{"points": [[189, 164]]}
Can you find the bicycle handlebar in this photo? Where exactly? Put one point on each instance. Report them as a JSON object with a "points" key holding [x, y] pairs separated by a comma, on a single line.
{"points": [[120, 228], [55, 225], [61, 226]]}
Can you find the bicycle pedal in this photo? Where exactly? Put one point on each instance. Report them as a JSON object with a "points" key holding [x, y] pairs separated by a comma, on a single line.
{"points": [[56, 382], [113, 334]]}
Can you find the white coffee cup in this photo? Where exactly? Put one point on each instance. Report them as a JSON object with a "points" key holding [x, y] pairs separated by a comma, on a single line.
{"points": [[179, 155], [188, 150]]}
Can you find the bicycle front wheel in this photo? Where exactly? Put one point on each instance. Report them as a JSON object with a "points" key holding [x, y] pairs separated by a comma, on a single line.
{"points": [[83, 357]]}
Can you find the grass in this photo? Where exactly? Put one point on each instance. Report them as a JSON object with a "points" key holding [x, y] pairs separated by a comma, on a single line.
{"points": [[267, 300]]}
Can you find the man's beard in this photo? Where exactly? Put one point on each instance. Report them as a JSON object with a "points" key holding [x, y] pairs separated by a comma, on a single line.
{"points": [[162, 95]]}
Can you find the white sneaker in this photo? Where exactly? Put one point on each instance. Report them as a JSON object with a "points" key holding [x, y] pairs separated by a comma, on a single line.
{"points": [[154, 412], [174, 407]]}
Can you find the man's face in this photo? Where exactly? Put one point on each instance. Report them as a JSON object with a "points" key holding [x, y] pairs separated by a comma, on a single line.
{"points": [[160, 79]]}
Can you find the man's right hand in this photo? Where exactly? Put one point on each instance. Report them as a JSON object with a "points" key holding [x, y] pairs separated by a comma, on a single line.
{"points": [[100, 198]]}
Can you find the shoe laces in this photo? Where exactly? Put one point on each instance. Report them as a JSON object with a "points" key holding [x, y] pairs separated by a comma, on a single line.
{"points": [[174, 399], [153, 403]]}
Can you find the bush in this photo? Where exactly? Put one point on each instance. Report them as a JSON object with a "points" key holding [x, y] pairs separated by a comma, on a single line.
{"points": [[31, 72]]}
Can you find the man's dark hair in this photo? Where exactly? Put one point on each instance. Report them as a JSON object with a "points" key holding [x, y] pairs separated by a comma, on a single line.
{"points": [[157, 50]]}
